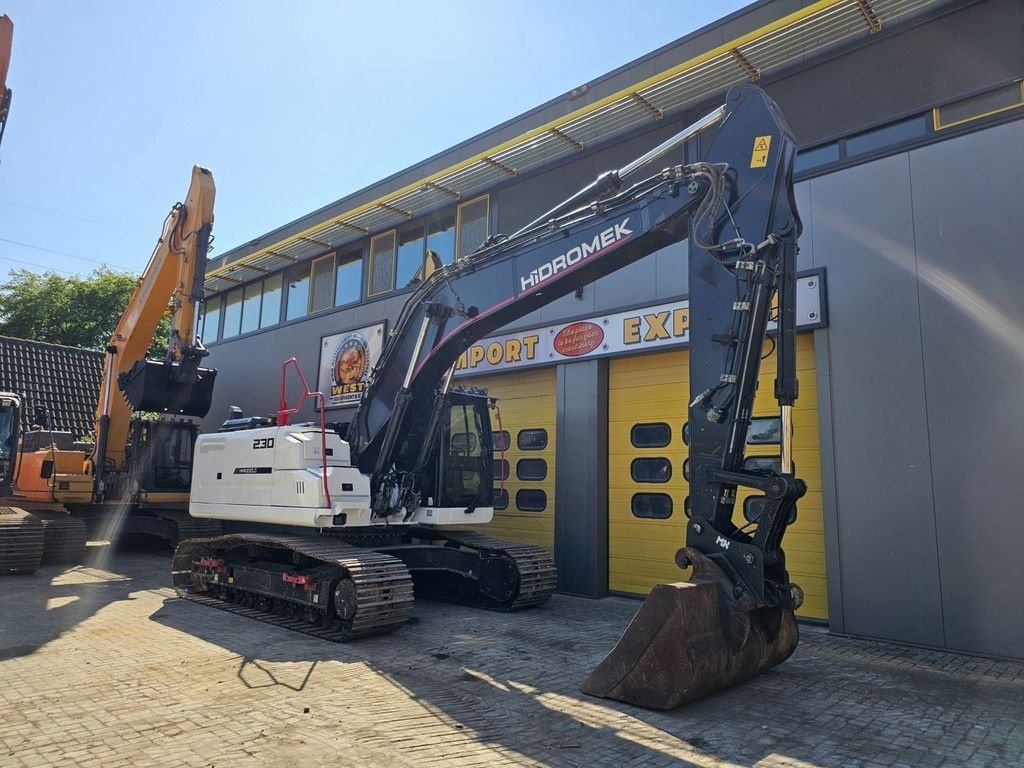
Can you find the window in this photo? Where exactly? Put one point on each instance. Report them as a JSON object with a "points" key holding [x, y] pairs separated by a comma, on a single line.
{"points": [[233, 313], [270, 314], [532, 439], [500, 498], [501, 440], [441, 238], [472, 226], [765, 430], [652, 506], [251, 307], [656, 435], [763, 463], [976, 107], [531, 500], [348, 282], [211, 319], [651, 470], [815, 156], [382, 264], [322, 293], [531, 469], [411, 243], [500, 469], [298, 292], [886, 136]]}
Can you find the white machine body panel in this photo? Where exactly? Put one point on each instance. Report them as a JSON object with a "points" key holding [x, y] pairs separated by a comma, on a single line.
{"points": [[274, 475]]}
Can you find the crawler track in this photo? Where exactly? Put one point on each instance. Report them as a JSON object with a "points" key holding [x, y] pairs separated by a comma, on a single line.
{"points": [[64, 537], [21, 541], [377, 587], [534, 568]]}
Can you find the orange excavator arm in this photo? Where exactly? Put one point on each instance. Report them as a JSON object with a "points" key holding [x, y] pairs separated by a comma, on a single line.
{"points": [[6, 36], [175, 385]]}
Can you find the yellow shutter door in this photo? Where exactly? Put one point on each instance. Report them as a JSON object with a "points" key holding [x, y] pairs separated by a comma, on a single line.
{"points": [[647, 405], [527, 404]]}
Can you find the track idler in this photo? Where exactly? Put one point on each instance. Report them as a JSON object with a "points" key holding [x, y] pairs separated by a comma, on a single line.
{"points": [[692, 638]]}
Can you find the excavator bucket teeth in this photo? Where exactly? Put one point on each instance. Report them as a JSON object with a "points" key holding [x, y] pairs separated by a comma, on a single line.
{"points": [[154, 385], [687, 641]]}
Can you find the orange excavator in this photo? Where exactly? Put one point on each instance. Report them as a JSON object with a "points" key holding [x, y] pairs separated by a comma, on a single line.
{"points": [[137, 473]]}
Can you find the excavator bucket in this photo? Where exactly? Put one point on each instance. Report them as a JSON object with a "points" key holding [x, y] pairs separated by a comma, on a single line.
{"points": [[689, 639], [154, 385]]}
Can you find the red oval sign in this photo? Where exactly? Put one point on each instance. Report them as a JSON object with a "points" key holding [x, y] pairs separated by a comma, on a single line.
{"points": [[578, 339]]}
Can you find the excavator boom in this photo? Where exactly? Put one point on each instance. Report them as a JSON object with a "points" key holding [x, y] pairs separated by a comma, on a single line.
{"points": [[176, 385], [6, 38], [734, 618]]}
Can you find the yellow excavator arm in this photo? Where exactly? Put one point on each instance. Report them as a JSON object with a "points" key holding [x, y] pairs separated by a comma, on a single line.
{"points": [[6, 36], [176, 385]]}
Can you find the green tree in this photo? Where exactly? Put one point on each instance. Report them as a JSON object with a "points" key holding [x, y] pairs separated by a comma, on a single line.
{"points": [[74, 311]]}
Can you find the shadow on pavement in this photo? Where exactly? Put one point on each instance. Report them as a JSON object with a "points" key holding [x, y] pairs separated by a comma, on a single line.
{"points": [[56, 598]]}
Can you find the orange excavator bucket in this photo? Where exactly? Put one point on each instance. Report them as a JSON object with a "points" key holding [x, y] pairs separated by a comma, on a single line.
{"points": [[692, 638]]}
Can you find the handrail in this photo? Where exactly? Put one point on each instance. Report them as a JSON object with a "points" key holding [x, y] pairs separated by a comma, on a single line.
{"points": [[284, 414]]}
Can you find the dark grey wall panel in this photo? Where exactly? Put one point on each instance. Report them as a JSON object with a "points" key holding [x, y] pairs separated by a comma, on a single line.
{"points": [[581, 482], [863, 234], [962, 52], [968, 204]]}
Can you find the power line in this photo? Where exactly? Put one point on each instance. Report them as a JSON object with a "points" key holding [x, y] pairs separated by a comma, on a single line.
{"points": [[59, 253], [34, 264], [76, 218]]}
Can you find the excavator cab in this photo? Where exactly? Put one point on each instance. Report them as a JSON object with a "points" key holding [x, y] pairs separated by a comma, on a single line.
{"points": [[159, 459], [465, 465], [10, 424]]}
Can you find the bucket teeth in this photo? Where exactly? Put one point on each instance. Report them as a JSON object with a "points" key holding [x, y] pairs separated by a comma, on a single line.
{"points": [[687, 640]]}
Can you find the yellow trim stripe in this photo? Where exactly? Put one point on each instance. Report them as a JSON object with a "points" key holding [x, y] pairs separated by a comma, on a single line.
{"points": [[938, 125]]}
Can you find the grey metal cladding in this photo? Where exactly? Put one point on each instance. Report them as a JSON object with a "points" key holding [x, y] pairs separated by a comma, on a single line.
{"points": [[581, 467], [964, 51], [863, 234], [967, 218]]}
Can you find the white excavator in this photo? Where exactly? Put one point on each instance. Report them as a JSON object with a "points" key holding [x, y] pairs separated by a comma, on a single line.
{"points": [[385, 497]]}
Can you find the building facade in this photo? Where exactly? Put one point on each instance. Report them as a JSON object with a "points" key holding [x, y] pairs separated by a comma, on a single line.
{"points": [[909, 428]]}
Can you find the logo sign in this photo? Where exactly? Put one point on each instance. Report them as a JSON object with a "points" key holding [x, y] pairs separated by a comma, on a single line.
{"points": [[578, 339], [346, 360], [601, 242]]}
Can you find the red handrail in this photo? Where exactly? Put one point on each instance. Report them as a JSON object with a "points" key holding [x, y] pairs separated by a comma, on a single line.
{"points": [[284, 414]]}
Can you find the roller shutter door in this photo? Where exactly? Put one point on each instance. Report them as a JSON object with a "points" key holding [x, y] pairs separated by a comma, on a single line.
{"points": [[525, 510], [647, 410]]}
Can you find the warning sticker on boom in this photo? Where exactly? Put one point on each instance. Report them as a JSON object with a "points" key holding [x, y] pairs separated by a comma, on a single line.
{"points": [[759, 157]]}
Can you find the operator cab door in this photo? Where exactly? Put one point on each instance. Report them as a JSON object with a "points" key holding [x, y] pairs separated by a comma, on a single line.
{"points": [[161, 455], [464, 459], [9, 428]]}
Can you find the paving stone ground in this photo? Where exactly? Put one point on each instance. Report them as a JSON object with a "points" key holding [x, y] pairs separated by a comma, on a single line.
{"points": [[100, 665]]}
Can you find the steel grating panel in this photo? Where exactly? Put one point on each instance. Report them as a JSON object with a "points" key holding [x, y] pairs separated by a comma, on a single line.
{"points": [[776, 46]]}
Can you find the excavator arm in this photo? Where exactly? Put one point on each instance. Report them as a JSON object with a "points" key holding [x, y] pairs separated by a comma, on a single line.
{"points": [[734, 618], [6, 37], [736, 211], [176, 385]]}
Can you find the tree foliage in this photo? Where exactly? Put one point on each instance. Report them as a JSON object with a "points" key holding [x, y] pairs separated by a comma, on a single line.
{"points": [[74, 311]]}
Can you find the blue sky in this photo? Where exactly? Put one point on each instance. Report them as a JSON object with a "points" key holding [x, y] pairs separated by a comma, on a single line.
{"points": [[114, 100]]}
